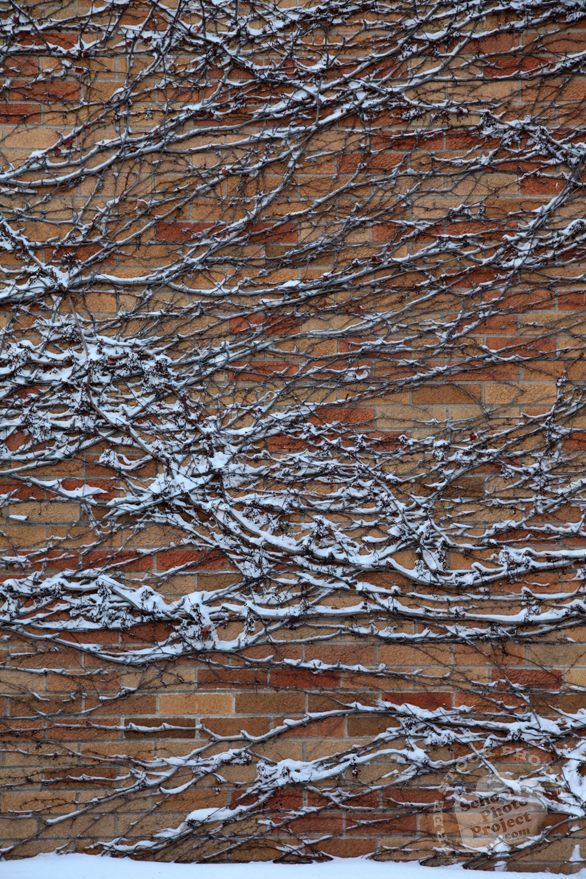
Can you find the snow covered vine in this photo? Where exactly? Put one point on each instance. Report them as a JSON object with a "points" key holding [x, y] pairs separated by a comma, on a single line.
{"points": [[293, 423]]}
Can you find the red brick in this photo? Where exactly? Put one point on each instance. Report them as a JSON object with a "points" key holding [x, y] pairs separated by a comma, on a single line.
{"points": [[61, 38], [99, 558], [431, 701], [25, 65], [20, 490], [385, 440], [282, 443], [147, 633], [318, 822], [303, 679], [347, 848], [408, 796], [551, 680], [70, 659], [561, 43], [352, 798], [494, 68], [371, 162], [369, 726], [488, 704], [231, 678], [16, 440], [576, 441], [348, 654], [403, 141], [284, 651], [277, 232], [285, 801], [261, 370], [180, 231], [47, 91], [490, 372], [553, 704], [93, 637], [175, 558], [350, 417], [272, 324], [233, 726], [90, 733], [542, 185], [574, 300], [83, 254], [518, 301], [462, 140], [109, 487], [14, 729], [269, 703], [521, 346], [380, 823], [329, 727], [12, 113], [147, 468]]}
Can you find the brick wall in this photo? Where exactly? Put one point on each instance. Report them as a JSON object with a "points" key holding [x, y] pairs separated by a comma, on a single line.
{"points": [[293, 428]]}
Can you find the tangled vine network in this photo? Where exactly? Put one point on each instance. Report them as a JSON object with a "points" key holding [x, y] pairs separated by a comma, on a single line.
{"points": [[293, 425]]}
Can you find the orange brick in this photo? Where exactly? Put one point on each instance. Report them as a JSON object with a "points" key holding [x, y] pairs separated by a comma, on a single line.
{"points": [[196, 704]]}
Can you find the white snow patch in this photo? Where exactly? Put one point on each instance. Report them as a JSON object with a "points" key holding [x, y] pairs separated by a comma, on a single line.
{"points": [[73, 866]]}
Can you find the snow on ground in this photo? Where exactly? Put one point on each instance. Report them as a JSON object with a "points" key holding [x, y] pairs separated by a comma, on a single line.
{"points": [[94, 867]]}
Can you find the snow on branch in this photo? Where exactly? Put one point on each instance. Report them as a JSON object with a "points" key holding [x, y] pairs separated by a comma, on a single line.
{"points": [[293, 428]]}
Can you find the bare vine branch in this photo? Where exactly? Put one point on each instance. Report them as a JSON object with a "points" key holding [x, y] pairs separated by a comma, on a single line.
{"points": [[293, 424]]}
